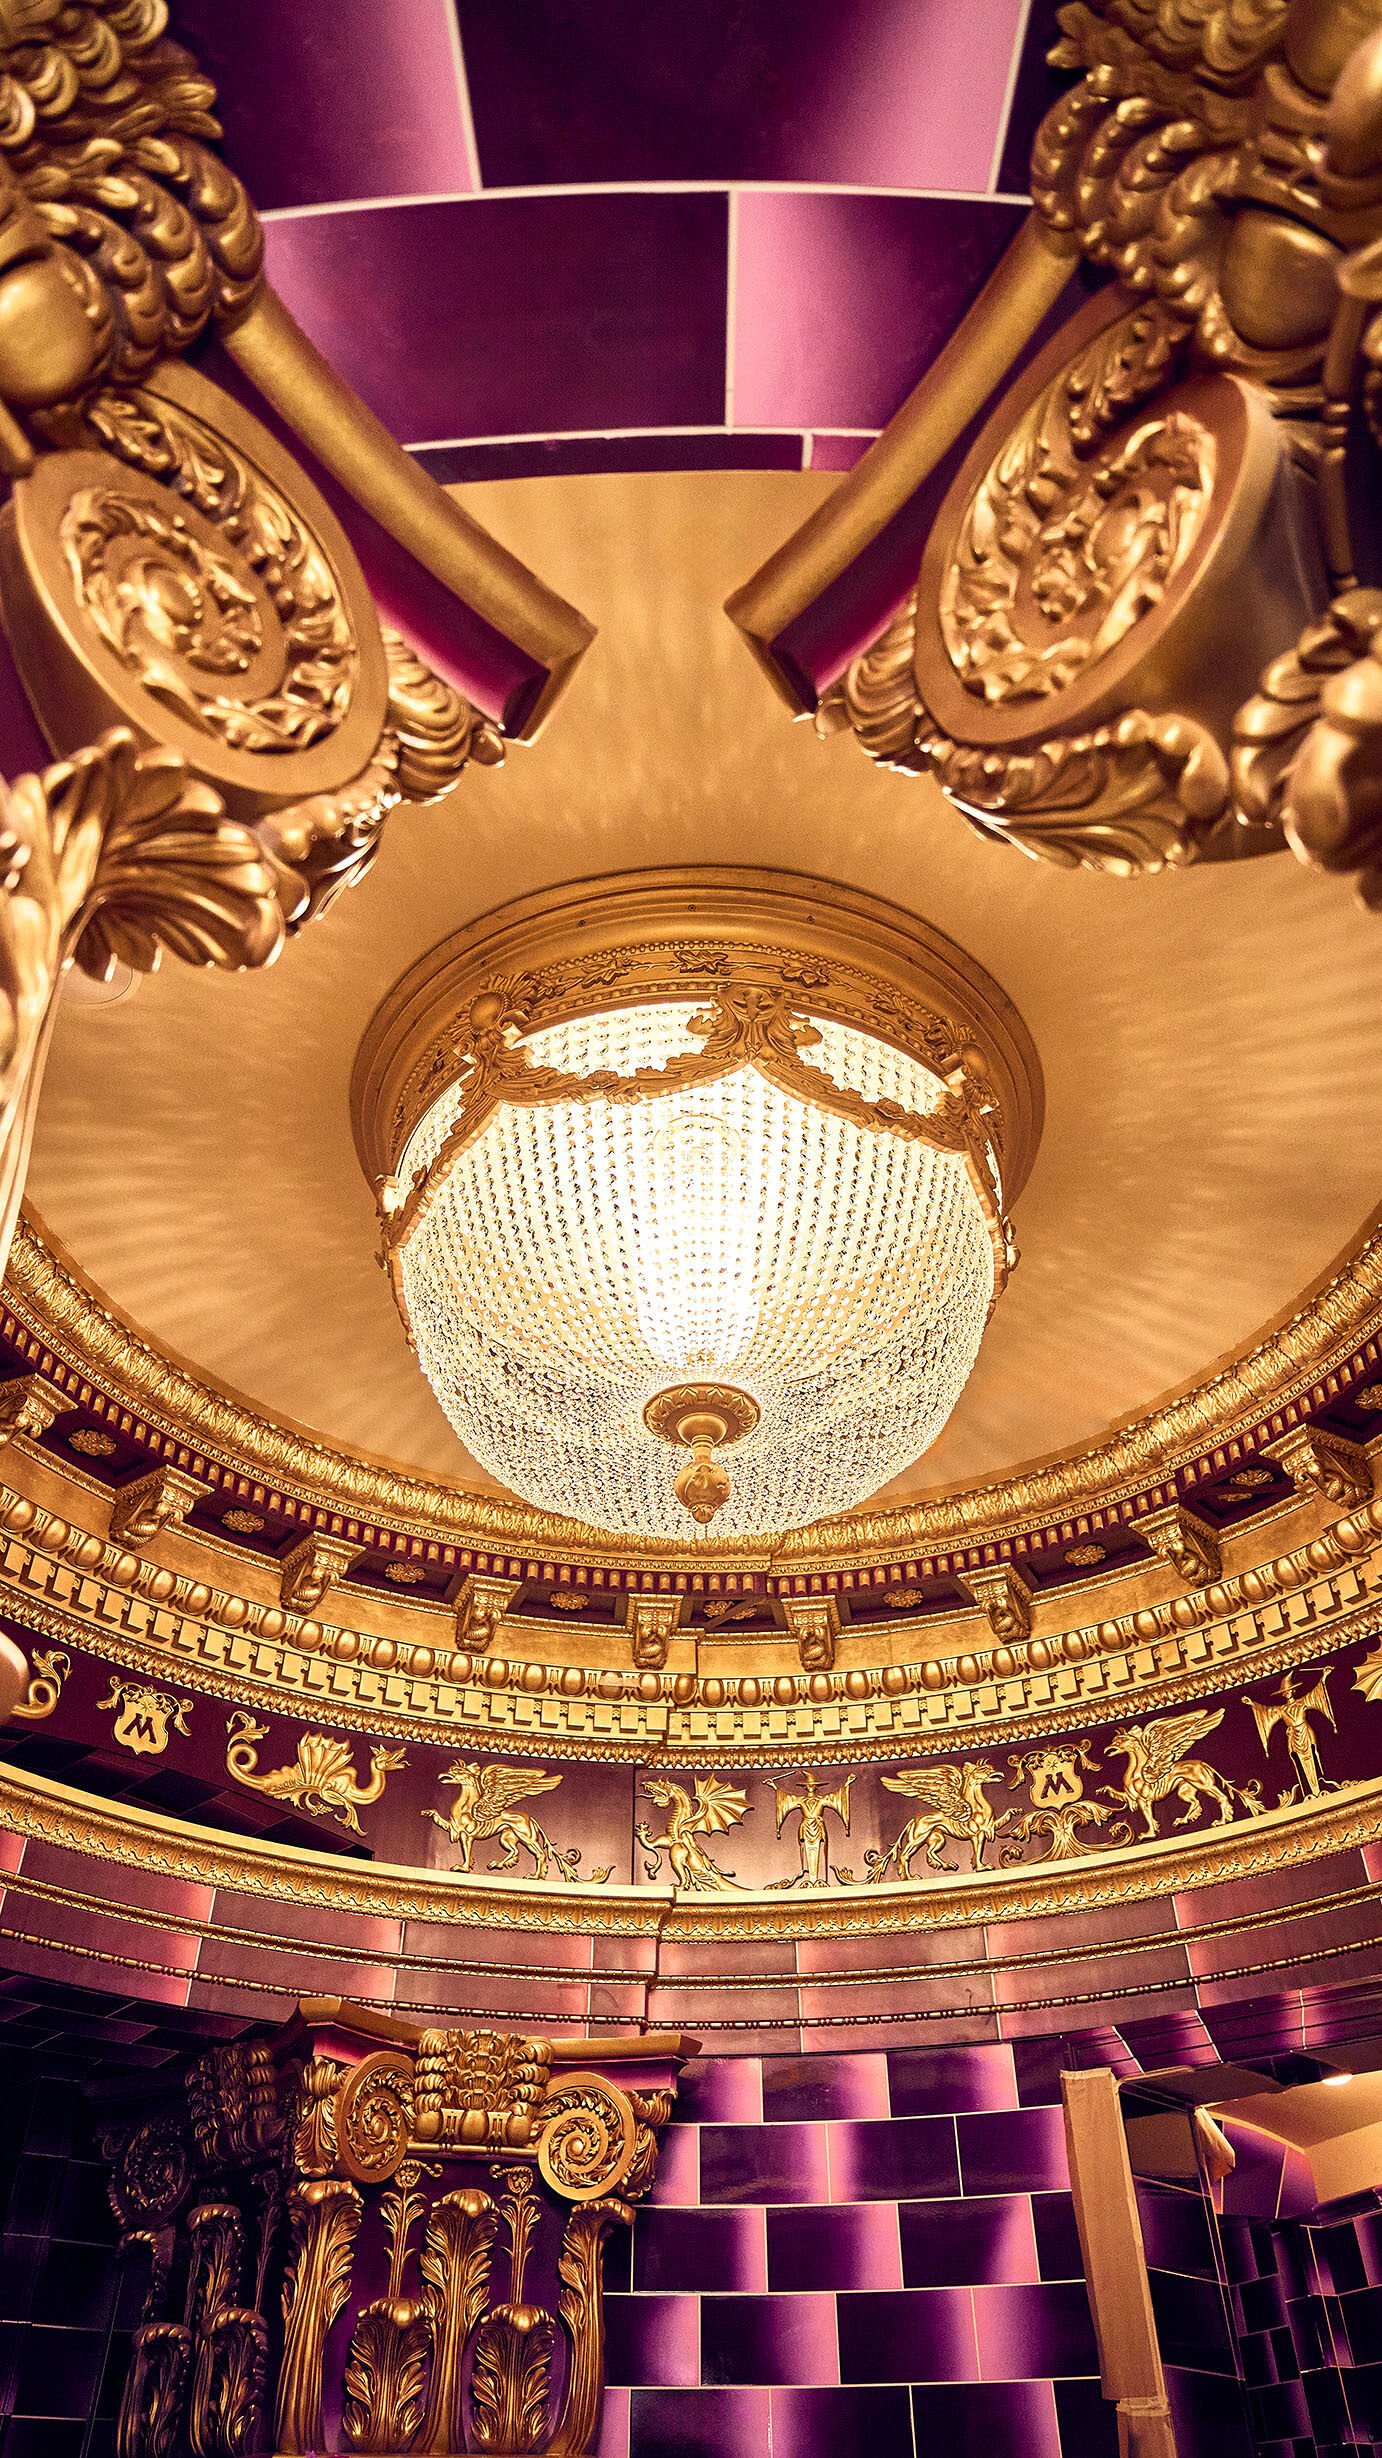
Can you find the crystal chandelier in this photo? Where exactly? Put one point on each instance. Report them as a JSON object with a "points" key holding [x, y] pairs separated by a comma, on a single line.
{"points": [[728, 1225]]}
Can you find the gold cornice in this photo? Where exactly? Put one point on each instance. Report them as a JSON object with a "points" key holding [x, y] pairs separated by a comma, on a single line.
{"points": [[33, 1807], [1270, 1380]]}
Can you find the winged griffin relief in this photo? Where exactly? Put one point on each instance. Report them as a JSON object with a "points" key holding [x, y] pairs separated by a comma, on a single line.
{"points": [[322, 1779], [955, 1807], [1157, 1766], [486, 1804]]}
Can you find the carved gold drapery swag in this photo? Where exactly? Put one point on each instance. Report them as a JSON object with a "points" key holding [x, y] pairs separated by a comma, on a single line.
{"points": [[1184, 464], [465, 2174]]}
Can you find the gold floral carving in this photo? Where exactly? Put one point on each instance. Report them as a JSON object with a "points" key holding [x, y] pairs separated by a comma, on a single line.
{"points": [[51, 1666], [322, 1779], [374, 2116]]}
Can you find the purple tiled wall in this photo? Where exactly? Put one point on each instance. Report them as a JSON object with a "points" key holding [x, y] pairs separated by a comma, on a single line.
{"points": [[870, 2253]]}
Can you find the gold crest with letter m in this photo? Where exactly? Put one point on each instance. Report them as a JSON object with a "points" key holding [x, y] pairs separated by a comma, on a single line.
{"points": [[144, 1718]]}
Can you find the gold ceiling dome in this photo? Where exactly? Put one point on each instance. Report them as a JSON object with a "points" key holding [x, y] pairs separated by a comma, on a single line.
{"points": [[720, 1161]]}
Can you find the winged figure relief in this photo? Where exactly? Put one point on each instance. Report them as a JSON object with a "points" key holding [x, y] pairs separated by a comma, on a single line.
{"points": [[716, 1808], [486, 1804], [1157, 1765], [954, 1808], [1292, 1709], [322, 1778]]}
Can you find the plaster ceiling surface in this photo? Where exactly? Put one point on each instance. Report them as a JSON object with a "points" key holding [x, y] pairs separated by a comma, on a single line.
{"points": [[1211, 1040]]}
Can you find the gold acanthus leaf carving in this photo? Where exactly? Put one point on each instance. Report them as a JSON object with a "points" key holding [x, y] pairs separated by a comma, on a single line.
{"points": [[51, 1666], [1308, 745]]}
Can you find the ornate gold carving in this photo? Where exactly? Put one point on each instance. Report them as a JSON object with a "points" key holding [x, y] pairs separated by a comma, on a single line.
{"points": [[1339, 1472], [232, 2094], [322, 1779], [1186, 1542], [511, 2377], [481, 1605], [438, 733], [1054, 1778], [1004, 1598], [716, 1808], [580, 2270], [325, 2215], [812, 1806], [1157, 1765], [486, 1804], [386, 2367], [652, 1622], [374, 2117], [314, 2119], [313, 1566], [1292, 1709], [160, 1500], [51, 1666], [476, 2087], [151, 2172], [455, 2265], [586, 2146], [814, 1622], [955, 1807], [144, 1717], [29, 1406], [151, 2402]]}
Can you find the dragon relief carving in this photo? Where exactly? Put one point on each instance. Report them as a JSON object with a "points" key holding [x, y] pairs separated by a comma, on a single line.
{"points": [[486, 1804], [716, 1808], [322, 1779]]}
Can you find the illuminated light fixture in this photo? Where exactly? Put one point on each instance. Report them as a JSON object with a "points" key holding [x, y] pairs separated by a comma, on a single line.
{"points": [[721, 1207]]}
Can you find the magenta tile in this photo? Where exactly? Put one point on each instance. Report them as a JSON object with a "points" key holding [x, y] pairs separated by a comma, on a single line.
{"points": [[1019, 1984], [313, 128], [849, 2423], [311, 1924], [876, 94], [679, 2166], [691, 2251], [725, 2423], [1020, 2150], [98, 1937], [802, 2088], [965, 2244], [944, 2081], [1034, 2332], [763, 2163], [846, 2031], [836, 451], [652, 2342], [11, 1849], [842, 302], [450, 1942], [1359, 1924], [903, 2159], [518, 316], [614, 2424], [842, 2245], [302, 1974], [720, 2091], [943, 1948], [1034, 2021], [66, 1965], [768, 2339], [922, 2334], [519, 2005], [999, 2419], [243, 2005], [1273, 1891], [1058, 1932], [1057, 2237]]}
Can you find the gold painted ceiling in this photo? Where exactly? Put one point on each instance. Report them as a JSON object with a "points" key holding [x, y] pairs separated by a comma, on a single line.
{"points": [[1210, 1040]]}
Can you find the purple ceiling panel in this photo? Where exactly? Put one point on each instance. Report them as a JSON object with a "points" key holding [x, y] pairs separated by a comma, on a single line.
{"points": [[842, 302], [533, 316], [322, 100], [1035, 87], [890, 93]]}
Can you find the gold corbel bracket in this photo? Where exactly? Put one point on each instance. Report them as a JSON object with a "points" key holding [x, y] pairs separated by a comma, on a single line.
{"points": [[1004, 1597], [161, 1500], [814, 1622], [313, 1566], [1339, 1472], [481, 1604], [1188, 1543], [652, 1623], [28, 1405]]}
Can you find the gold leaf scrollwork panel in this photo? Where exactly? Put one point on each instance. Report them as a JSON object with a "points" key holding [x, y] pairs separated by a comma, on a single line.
{"points": [[587, 2143], [325, 2215]]}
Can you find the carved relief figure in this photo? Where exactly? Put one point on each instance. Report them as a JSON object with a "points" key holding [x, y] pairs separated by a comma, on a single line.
{"points": [[1055, 1785], [813, 1841], [486, 1804], [323, 1778], [716, 1808], [955, 1806], [1292, 1710], [143, 1717], [51, 1666], [1157, 1765]]}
